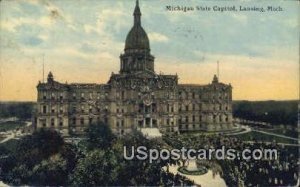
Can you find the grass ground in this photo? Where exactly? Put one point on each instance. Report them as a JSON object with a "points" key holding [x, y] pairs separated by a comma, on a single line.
{"points": [[263, 137], [10, 145], [11, 125], [285, 132]]}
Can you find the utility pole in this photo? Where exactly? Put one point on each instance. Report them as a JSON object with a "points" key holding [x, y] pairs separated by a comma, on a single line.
{"points": [[43, 68], [218, 70]]}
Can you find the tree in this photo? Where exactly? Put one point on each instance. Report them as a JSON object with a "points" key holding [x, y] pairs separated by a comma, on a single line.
{"points": [[32, 162], [98, 168], [99, 136], [40, 145], [50, 172]]}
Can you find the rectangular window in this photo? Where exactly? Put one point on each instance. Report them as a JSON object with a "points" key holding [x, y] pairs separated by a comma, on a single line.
{"points": [[44, 109], [123, 95], [45, 96], [52, 122], [60, 122]]}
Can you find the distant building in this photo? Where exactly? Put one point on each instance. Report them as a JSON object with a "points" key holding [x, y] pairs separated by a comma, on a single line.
{"points": [[137, 97]]}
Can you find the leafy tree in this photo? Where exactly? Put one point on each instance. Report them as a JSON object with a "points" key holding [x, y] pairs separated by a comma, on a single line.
{"points": [[33, 161], [98, 168], [52, 171], [99, 136], [38, 146]]}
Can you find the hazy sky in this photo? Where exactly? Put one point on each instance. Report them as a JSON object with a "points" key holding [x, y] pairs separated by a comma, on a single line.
{"points": [[82, 42]]}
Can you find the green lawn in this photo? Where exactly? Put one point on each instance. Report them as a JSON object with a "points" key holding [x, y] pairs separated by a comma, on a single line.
{"points": [[10, 145], [263, 137], [285, 132], [11, 125]]}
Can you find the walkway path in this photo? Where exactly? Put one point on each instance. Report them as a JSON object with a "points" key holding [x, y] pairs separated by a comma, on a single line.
{"points": [[245, 128], [10, 136], [13, 134]]}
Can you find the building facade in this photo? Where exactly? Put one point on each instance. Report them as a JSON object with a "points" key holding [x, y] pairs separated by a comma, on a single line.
{"points": [[137, 97]]}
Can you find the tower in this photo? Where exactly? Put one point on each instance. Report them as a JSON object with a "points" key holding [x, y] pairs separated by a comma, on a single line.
{"points": [[137, 56]]}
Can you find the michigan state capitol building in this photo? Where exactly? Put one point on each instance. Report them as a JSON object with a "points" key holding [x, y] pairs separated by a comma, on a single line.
{"points": [[135, 98]]}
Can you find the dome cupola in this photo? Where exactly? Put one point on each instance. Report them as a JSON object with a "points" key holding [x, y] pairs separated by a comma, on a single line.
{"points": [[137, 38]]}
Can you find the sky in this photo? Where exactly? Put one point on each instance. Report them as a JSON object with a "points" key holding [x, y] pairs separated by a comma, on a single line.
{"points": [[81, 41]]}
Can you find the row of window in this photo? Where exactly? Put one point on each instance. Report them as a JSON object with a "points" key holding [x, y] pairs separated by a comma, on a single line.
{"points": [[83, 121], [121, 95], [193, 95], [147, 108], [52, 122], [53, 109], [201, 118], [120, 123], [201, 107], [61, 110], [83, 95]]}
